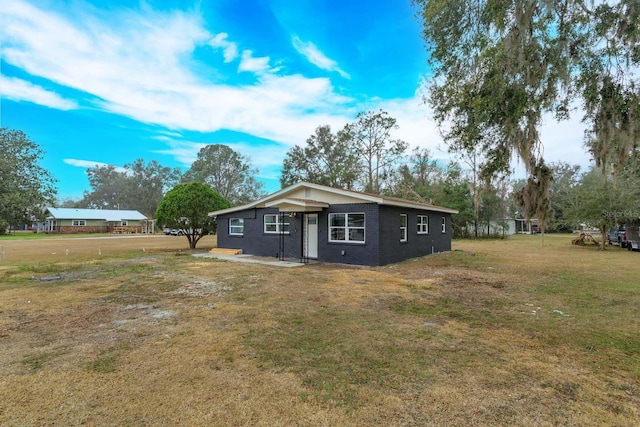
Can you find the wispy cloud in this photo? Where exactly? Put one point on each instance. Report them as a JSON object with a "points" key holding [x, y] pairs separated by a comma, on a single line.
{"points": [[86, 164], [230, 49], [252, 64], [316, 57], [21, 90], [142, 65], [185, 152]]}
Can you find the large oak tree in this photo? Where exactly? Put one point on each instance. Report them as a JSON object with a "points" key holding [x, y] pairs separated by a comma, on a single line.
{"points": [[500, 66]]}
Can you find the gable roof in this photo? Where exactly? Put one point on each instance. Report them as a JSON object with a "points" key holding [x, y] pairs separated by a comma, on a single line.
{"points": [[95, 214], [306, 197]]}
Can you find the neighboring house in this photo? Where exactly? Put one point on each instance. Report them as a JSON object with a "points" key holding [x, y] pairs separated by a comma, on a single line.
{"points": [[70, 220], [311, 221], [505, 227]]}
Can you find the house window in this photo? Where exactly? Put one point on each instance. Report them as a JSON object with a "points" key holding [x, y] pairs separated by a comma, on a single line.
{"points": [[403, 227], [444, 224], [79, 223], [124, 223], [273, 224], [347, 227], [236, 226], [423, 224]]}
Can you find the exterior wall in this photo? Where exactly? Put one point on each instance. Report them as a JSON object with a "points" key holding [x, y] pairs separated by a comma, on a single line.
{"points": [[367, 253], [70, 229], [64, 226], [393, 250], [382, 235], [254, 240]]}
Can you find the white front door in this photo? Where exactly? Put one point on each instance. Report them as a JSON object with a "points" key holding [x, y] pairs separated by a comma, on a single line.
{"points": [[311, 228]]}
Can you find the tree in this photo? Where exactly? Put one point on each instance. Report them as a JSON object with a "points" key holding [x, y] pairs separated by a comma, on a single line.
{"points": [[25, 186], [227, 172], [424, 181], [371, 136], [499, 66], [602, 202], [327, 159], [418, 178], [138, 187], [565, 178], [187, 208]]}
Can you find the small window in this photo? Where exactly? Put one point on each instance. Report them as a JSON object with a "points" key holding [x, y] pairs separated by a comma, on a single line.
{"points": [[79, 223], [444, 224], [273, 224], [124, 223], [403, 227], [346, 227], [423, 224], [236, 226]]}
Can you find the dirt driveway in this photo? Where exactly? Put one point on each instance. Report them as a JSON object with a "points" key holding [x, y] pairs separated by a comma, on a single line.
{"points": [[52, 249]]}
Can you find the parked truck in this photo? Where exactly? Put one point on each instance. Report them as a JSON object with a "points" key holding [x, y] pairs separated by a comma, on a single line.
{"points": [[617, 235], [632, 236]]}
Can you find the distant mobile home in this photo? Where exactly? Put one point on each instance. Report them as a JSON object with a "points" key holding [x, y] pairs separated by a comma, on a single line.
{"points": [[73, 221], [310, 221]]}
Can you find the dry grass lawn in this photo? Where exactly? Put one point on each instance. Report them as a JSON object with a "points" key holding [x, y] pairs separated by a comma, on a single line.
{"points": [[507, 333]]}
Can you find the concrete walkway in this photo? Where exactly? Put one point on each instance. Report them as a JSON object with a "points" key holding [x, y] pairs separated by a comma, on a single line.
{"points": [[250, 259]]}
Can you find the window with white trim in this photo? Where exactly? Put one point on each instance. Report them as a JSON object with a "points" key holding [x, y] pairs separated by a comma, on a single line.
{"points": [[79, 222], [423, 224], [124, 223], [403, 227], [273, 223], [346, 227], [236, 226], [444, 224]]}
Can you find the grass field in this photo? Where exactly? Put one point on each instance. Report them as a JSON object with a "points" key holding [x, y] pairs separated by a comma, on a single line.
{"points": [[508, 333]]}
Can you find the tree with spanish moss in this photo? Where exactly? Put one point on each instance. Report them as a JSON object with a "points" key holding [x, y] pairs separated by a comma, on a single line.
{"points": [[500, 67]]}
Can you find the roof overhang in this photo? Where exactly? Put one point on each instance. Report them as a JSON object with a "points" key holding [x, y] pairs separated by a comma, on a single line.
{"points": [[288, 200], [297, 205]]}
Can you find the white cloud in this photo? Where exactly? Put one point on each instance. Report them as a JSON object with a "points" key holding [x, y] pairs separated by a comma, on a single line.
{"points": [[230, 49], [86, 164], [141, 65], [185, 152], [561, 141], [252, 64], [24, 91], [316, 57]]}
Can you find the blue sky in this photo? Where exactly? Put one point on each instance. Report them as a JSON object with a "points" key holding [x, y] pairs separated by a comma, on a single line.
{"points": [[96, 82]]}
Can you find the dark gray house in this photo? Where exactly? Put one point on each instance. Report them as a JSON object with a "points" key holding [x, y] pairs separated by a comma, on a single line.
{"points": [[310, 221]]}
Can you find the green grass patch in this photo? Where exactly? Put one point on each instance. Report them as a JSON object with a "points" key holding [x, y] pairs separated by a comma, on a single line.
{"points": [[36, 361], [104, 364]]}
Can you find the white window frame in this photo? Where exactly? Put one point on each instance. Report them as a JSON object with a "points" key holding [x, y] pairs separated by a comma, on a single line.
{"points": [[78, 222], [404, 229], [423, 224], [279, 226], [239, 227], [346, 228], [124, 223], [444, 224]]}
